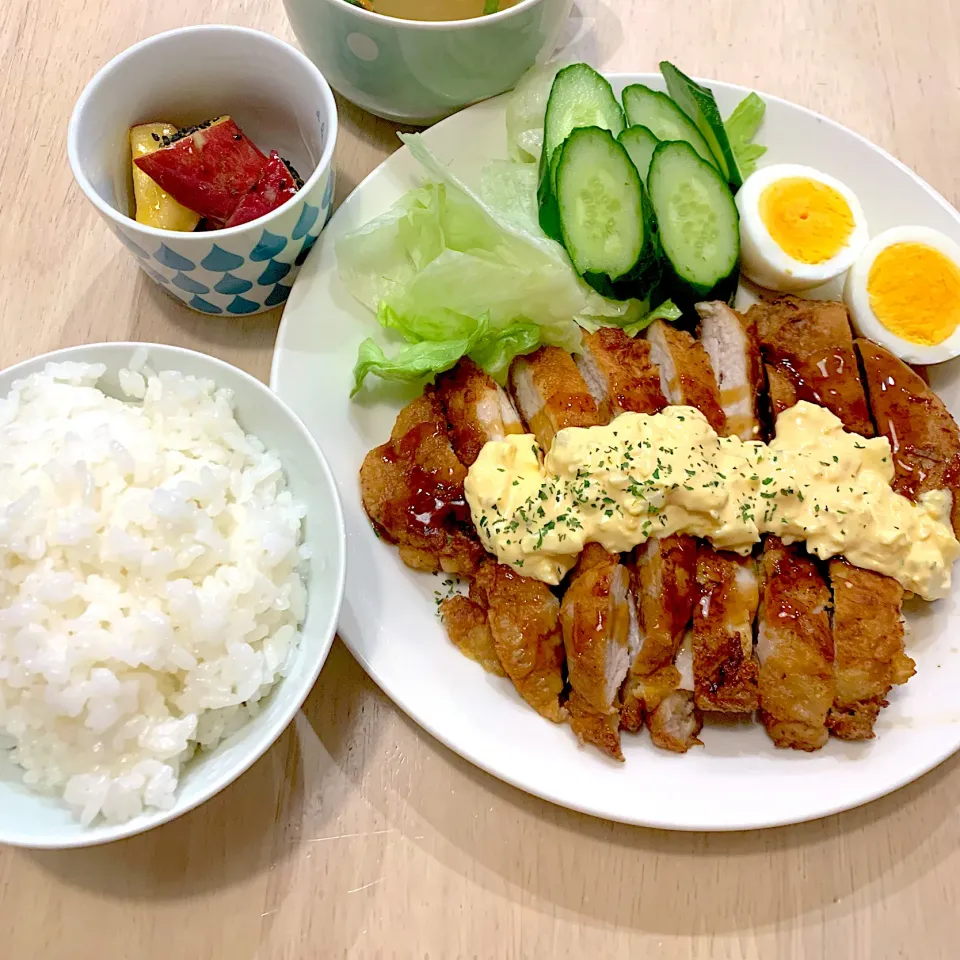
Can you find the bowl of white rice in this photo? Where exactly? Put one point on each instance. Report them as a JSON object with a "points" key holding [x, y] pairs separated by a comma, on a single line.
{"points": [[171, 572]]}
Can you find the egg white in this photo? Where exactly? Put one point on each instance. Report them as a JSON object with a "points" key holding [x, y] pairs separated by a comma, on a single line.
{"points": [[764, 262], [857, 298]]}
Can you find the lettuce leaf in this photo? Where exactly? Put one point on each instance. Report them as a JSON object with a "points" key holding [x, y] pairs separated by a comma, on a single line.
{"points": [[741, 127], [527, 109], [443, 260]]}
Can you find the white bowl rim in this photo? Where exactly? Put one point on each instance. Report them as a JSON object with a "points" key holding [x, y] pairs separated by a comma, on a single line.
{"points": [[111, 213], [462, 24], [100, 832]]}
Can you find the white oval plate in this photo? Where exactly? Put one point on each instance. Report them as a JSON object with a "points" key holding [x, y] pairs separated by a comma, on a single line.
{"points": [[737, 780]]}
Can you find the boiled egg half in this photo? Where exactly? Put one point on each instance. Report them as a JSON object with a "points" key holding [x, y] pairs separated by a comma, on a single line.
{"points": [[904, 293], [799, 227]]}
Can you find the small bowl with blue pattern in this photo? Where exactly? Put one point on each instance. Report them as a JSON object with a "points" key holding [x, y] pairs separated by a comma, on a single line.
{"points": [[280, 100]]}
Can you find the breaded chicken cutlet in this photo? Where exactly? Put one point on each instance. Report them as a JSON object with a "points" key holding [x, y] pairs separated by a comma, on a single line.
{"points": [[412, 491], [730, 341], [686, 376], [868, 648], [601, 638], [477, 409], [807, 347], [725, 667], [524, 618], [924, 437], [795, 648], [550, 394], [620, 374]]}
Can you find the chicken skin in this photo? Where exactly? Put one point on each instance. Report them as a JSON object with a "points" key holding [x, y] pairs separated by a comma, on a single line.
{"points": [[469, 630]]}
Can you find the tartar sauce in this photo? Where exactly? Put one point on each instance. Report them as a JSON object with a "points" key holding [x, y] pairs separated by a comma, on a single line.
{"points": [[651, 476]]}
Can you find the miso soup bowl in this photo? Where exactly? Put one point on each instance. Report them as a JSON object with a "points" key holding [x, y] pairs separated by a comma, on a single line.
{"points": [[416, 71], [280, 100]]}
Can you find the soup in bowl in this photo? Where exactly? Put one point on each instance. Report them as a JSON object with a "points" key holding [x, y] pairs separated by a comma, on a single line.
{"points": [[417, 61]]}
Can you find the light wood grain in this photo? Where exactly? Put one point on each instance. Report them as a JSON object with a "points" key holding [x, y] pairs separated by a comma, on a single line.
{"points": [[358, 835]]}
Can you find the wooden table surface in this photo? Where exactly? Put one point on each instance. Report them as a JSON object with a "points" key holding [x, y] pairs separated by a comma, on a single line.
{"points": [[357, 834]]}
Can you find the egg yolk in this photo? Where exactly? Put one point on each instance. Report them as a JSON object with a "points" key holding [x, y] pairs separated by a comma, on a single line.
{"points": [[808, 220], [915, 292]]}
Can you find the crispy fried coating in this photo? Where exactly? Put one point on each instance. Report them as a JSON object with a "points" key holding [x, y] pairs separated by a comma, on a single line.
{"points": [[524, 618], [621, 377], [469, 630], [795, 648], [923, 436], [550, 394], [686, 376], [809, 346], [868, 644], [412, 491], [477, 409], [725, 668]]}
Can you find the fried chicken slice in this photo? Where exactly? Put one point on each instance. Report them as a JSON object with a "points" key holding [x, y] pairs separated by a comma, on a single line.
{"points": [[686, 376], [600, 636], [795, 648], [731, 344], [412, 491], [550, 394], [524, 618], [477, 409], [664, 588], [619, 373], [469, 630], [676, 722], [868, 648], [924, 437], [725, 668], [807, 346]]}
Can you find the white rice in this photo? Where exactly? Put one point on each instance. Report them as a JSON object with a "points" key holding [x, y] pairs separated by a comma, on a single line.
{"points": [[150, 592]]}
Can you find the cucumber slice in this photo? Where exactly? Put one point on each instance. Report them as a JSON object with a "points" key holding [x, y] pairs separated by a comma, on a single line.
{"points": [[607, 222], [662, 117], [640, 143], [579, 97], [699, 104], [696, 215]]}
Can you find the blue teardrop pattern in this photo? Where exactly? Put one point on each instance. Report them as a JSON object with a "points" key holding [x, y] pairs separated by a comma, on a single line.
{"points": [[230, 285], [269, 246], [134, 248], [308, 217], [240, 305], [184, 282], [278, 295], [308, 243], [198, 303], [219, 259], [274, 273], [172, 259]]}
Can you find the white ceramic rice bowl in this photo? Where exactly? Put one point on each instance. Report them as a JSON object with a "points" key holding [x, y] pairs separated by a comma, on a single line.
{"points": [[29, 819]]}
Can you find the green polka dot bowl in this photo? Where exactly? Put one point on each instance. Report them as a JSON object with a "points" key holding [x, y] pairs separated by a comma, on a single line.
{"points": [[416, 71], [279, 99]]}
